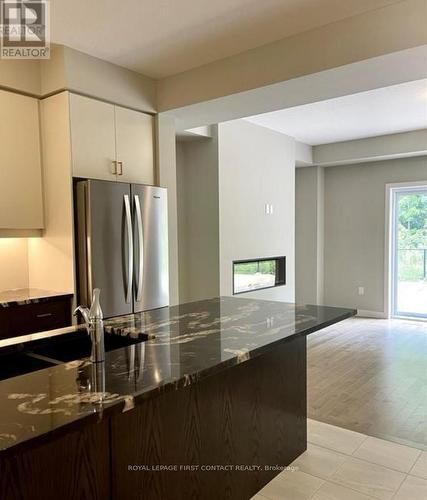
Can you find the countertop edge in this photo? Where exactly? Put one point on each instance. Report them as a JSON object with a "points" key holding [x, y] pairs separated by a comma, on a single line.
{"points": [[28, 299]]}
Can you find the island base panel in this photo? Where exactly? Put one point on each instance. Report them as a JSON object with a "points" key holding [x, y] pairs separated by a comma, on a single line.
{"points": [[74, 466], [252, 415]]}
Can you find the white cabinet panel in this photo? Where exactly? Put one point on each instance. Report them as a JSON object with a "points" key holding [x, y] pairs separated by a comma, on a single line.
{"points": [[21, 205], [92, 138], [134, 143]]}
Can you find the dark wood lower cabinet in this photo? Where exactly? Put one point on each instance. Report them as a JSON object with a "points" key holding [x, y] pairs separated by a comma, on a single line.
{"points": [[75, 466], [250, 416], [21, 319], [5, 330]]}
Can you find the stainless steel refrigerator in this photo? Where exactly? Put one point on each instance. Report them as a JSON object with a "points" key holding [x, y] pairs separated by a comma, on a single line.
{"points": [[122, 245]]}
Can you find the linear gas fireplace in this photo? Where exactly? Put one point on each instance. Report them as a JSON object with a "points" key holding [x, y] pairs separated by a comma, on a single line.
{"points": [[258, 274]]}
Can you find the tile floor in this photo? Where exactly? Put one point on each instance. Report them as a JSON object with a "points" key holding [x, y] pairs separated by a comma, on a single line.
{"points": [[340, 464]]}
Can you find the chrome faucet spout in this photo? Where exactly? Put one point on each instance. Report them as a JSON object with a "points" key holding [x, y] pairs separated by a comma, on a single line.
{"points": [[84, 311], [95, 327]]}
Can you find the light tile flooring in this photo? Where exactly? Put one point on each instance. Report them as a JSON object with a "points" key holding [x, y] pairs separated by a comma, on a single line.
{"points": [[340, 464]]}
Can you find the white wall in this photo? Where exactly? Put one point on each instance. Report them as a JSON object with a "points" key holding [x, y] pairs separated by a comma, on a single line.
{"points": [[95, 77], [256, 166], [198, 218], [166, 173], [309, 219], [355, 229], [13, 263], [22, 75], [73, 70], [382, 31], [223, 184], [370, 149]]}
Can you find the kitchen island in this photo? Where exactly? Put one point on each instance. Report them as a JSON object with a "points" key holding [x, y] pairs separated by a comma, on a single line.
{"points": [[212, 405]]}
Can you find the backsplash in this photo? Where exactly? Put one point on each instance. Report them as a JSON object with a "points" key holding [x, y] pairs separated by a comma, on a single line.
{"points": [[13, 263]]}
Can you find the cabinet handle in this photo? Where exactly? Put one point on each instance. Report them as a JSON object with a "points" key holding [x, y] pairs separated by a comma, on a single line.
{"points": [[120, 164], [114, 167], [45, 315]]}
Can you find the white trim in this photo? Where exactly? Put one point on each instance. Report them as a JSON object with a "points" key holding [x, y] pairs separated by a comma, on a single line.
{"points": [[391, 188], [366, 159], [387, 249], [364, 313], [411, 318]]}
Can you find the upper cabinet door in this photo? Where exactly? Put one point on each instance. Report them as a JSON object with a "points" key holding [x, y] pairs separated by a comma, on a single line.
{"points": [[134, 146], [21, 205], [92, 138]]}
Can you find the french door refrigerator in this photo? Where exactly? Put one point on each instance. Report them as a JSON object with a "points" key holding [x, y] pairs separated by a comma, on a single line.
{"points": [[122, 245]]}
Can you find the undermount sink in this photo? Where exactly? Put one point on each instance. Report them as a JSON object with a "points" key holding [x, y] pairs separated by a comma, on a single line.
{"points": [[13, 364], [26, 358], [78, 345]]}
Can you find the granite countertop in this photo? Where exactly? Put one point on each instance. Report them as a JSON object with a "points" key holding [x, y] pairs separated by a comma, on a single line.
{"points": [[19, 296], [192, 341]]}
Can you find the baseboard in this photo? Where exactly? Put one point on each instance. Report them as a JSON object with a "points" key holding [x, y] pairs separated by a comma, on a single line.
{"points": [[364, 313]]}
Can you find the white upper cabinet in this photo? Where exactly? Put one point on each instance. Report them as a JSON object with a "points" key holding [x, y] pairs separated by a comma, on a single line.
{"points": [[110, 142], [93, 147], [134, 146], [21, 200]]}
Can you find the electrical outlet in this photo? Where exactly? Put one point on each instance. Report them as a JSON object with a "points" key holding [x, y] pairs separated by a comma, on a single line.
{"points": [[270, 322], [268, 209], [361, 290]]}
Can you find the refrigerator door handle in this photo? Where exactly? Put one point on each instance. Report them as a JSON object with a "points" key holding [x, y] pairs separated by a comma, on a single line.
{"points": [[130, 248], [140, 231]]}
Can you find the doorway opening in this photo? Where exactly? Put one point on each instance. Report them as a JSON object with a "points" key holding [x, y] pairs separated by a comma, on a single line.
{"points": [[408, 238]]}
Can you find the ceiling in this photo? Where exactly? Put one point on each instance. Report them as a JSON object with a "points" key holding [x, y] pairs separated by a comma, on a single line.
{"points": [[388, 110], [164, 37]]}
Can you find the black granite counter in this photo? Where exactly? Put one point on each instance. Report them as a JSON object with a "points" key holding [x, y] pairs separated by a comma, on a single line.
{"points": [[191, 342], [20, 296]]}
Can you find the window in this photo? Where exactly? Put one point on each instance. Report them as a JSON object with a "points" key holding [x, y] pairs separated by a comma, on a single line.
{"points": [[249, 275]]}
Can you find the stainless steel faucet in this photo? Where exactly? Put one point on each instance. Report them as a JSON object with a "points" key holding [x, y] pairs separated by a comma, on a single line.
{"points": [[95, 326]]}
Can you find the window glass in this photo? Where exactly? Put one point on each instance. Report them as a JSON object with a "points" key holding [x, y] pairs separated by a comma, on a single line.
{"points": [[254, 275]]}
